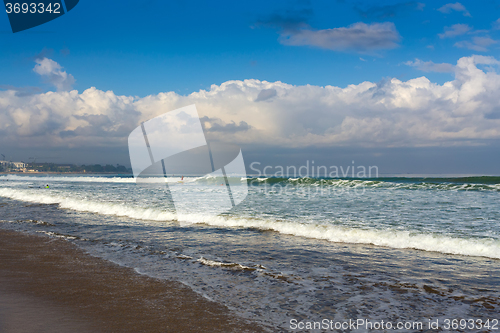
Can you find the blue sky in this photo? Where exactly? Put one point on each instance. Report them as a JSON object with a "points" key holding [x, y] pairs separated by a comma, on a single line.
{"points": [[272, 76], [146, 47]]}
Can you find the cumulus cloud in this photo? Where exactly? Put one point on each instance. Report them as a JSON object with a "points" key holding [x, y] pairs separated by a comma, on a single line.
{"points": [[457, 6], [479, 44], [21, 91], [93, 118], [53, 73], [455, 30], [429, 66], [417, 112], [358, 37]]}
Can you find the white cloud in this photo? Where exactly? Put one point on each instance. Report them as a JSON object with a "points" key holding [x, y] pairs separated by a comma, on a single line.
{"points": [[429, 66], [455, 30], [359, 37], [391, 113], [53, 73], [479, 44], [457, 6], [65, 119]]}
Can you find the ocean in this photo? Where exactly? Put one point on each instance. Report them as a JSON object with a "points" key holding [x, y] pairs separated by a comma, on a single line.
{"points": [[297, 251]]}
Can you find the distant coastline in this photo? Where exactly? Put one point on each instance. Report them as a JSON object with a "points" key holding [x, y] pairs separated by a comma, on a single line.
{"points": [[62, 173], [53, 168]]}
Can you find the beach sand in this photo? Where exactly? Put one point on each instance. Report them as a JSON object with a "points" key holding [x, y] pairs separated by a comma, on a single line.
{"points": [[49, 285]]}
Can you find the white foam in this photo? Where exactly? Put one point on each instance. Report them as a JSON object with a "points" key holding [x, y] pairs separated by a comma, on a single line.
{"points": [[486, 247], [229, 265], [104, 208], [91, 179], [389, 238], [70, 179], [56, 235]]}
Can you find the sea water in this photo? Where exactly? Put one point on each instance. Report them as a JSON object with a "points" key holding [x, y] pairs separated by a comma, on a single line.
{"points": [[296, 249]]}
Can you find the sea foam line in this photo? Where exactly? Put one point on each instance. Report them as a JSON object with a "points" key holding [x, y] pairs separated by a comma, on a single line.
{"points": [[489, 248], [103, 208], [486, 247], [90, 179]]}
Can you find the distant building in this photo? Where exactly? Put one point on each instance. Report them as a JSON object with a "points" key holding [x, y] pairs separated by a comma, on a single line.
{"points": [[19, 165], [14, 166]]}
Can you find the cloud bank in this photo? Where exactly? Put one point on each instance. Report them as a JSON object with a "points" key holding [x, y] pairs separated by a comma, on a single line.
{"points": [[391, 113], [53, 73], [358, 37]]}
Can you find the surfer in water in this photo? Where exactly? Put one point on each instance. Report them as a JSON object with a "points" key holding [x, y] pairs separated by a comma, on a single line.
{"points": [[46, 186]]}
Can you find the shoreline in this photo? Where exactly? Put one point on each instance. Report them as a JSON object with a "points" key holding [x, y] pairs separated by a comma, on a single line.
{"points": [[57, 287]]}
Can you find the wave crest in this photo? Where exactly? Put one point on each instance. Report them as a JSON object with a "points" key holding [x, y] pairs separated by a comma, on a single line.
{"points": [[484, 247]]}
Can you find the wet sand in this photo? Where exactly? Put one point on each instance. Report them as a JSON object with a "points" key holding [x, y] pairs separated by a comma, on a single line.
{"points": [[49, 285]]}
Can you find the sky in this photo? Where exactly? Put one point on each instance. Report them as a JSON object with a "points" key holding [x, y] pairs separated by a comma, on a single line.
{"points": [[409, 86]]}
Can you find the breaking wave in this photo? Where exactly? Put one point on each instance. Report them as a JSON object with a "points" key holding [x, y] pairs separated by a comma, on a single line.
{"points": [[484, 247], [458, 184], [479, 183]]}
